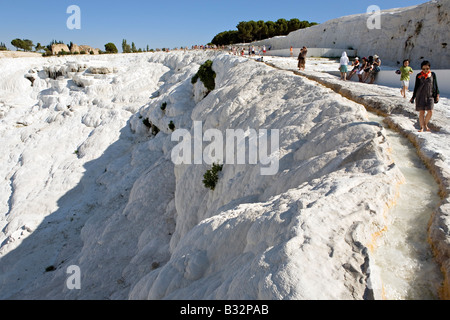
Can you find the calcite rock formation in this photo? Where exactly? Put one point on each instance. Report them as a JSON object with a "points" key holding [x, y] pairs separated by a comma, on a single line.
{"points": [[84, 48], [59, 47]]}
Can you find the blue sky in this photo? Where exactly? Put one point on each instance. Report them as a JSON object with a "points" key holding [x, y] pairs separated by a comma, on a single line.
{"points": [[161, 23]]}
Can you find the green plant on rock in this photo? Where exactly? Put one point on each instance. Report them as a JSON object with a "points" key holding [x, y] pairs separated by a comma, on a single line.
{"points": [[172, 126], [147, 123], [50, 269], [151, 126], [207, 75], [211, 177], [155, 130]]}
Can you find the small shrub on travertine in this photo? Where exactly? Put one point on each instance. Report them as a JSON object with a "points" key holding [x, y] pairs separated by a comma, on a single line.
{"points": [[207, 75], [211, 177]]}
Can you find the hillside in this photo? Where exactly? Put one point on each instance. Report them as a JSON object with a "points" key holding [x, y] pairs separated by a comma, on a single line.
{"points": [[18, 54], [91, 174], [87, 184]]}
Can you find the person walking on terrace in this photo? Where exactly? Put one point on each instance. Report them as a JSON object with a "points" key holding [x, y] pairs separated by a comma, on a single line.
{"points": [[302, 58], [405, 72], [426, 94]]}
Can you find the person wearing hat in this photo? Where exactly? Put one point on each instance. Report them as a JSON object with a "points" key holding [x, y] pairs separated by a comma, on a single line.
{"points": [[355, 69]]}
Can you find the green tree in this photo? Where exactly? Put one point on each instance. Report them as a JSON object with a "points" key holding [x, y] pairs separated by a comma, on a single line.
{"points": [[133, 47], [17, 43], [245, 31], [271, 29], [226, 37], [253, 26], [125, 46], [28, 45], [248, 31], [25, 45], [282, 27], [293, 24], [263, 30], [39, 47], [111, 48]]}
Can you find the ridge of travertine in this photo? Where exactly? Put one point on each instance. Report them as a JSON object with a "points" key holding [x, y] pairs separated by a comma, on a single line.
{"points": [[432, 149], [140, 227]]}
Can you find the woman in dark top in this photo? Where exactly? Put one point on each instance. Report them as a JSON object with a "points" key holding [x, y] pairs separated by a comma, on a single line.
{"points": [[368, 68], [426, 94], [302, 58]]}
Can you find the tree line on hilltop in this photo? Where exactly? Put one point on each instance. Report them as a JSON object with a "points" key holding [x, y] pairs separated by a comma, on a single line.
{"points": [[249, 31], [28, 45]]}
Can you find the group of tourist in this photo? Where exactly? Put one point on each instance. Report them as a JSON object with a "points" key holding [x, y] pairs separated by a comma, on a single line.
{"points": [[367, 69], [426, 89], [250, 50]]}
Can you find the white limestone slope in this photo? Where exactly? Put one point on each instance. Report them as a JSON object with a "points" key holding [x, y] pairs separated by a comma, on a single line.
{"points": [[416, 33], [87, 184], [62, 143], [258, 237]]}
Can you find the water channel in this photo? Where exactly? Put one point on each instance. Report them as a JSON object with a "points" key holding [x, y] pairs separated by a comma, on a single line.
{"points": [[403, 254]]}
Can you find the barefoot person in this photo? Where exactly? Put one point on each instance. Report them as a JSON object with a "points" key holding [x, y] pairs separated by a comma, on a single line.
{"points": [[426, 94]]}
